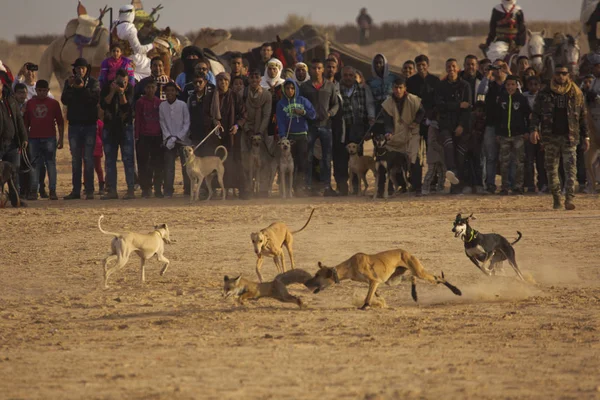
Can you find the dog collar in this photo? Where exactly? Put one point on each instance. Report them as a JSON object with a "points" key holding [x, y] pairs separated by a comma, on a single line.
{"points": [[473, 236]]}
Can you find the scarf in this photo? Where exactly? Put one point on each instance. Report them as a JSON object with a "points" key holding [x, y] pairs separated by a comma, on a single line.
{"points": [[254, 97], [560, 89], [301, 65], [266, 81]]}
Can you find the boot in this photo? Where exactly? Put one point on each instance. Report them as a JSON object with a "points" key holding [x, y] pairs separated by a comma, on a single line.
{"points": [[557, 202], [130, 195], [43, 193], [53, 195], [569, 204], [111, 195], [100, 188]]}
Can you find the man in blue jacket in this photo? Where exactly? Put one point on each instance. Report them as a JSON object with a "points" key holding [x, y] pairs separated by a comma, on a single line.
{"points": [[293, 111]]}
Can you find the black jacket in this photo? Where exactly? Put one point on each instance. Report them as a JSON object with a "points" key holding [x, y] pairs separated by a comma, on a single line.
{"points": [[491, 99], [449, 95], [513, 113], [82, 103], [12, 128], [425, 89], [116, 115]]}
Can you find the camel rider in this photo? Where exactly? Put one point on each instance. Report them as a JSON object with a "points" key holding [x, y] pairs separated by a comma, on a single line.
{"points": [[507, 30], [126, 33]]}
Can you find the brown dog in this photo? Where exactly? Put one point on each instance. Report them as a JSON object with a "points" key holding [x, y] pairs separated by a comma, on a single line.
{"points": [[8, 174], [359, 166]]}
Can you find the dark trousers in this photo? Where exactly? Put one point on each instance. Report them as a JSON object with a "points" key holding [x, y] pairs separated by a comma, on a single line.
{"points": [[150, 160], [469, 147], [25, 178], [534, 160], [111, 148], [82, 140], [300, 156], [169, 170]]}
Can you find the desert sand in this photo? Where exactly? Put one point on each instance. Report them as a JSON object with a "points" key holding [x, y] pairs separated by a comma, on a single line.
{"points": [[175, 337]]}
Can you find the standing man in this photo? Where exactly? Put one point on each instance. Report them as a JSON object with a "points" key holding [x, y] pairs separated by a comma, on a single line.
{"points": [[116, 100], [158, 76], [13, 137], [409, 68], [323, 96], [236, 63], [470, 141], [559, 120], [357, 113], [453, 104], [81, 95], [364, 22]]}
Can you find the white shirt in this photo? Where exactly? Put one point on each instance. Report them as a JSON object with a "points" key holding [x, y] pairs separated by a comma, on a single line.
{"points": [[174, 122]]}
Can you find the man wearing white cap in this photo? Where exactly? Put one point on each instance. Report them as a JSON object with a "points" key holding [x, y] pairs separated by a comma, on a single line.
{"points": [[125, 31]]}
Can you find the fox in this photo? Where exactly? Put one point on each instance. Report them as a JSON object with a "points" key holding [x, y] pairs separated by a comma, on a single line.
{"points": [[243, 289]]}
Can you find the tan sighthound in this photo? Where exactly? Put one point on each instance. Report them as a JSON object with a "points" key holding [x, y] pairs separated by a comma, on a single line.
{"points": [[359, 166], [201, 168], [386, 267], [269, 242], [146, 245]]}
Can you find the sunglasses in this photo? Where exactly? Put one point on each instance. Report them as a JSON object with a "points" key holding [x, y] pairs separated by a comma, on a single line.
{"points": [[563, 73]]}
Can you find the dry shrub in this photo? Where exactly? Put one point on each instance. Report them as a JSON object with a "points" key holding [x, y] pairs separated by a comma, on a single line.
{"points": [[36, 39]]}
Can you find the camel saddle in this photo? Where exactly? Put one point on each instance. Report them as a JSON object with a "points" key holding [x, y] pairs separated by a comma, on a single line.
{"points": [[85, 30]]}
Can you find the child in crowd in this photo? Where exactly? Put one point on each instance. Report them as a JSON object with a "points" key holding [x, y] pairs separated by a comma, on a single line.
{"points": [[110, 66]]}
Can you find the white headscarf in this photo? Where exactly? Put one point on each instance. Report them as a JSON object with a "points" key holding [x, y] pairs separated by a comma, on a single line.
{"points": [[127, 13], [303, 66], [266, 81]]}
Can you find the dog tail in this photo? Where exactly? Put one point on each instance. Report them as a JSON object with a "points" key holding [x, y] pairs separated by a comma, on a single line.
{"points": [[225, 150], [518, 238], [306, 224], [103, 231], [294, 276]]}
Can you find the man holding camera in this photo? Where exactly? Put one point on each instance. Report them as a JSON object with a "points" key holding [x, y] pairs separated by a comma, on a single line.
{"points": [[81, 95], [116, 100], [28, 76]]}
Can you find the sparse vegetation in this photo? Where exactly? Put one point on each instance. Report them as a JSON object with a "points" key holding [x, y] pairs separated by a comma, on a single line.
{"points": [[36, 39]]}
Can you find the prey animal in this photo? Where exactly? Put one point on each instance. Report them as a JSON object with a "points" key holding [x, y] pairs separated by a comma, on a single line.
{"points": [[202, 168], [243, 289], [286, 168], [359, 166], [269, 242], [487, 251], [391, 162], [146, 245], [8, 174], [256, 141], [386, 267]]}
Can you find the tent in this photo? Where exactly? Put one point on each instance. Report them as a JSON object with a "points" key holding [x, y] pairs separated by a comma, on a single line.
{"points": [[316, 48]]}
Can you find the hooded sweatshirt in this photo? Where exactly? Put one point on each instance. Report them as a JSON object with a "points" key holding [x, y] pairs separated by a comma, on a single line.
{"points": [[381, 86], [287, 120]]}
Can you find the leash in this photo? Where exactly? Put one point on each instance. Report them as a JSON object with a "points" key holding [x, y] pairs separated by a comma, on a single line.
{"points": [[217, 128], [370, 127]]}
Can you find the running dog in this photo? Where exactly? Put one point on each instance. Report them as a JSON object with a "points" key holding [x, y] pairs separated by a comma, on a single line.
{"points": [[269, 242], [145, 245], [243, 289], [386, 267], [286, 168], [256, 141], [486, 251], [391, 162], [8, 174], [359, 166], [202, 168]]}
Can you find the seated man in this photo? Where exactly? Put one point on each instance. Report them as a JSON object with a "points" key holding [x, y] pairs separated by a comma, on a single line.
{"points": [[507, 30]]}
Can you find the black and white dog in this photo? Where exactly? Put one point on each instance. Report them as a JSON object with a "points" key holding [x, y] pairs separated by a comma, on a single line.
{"points": [[486, 251], [8, 174], [391, 162]]}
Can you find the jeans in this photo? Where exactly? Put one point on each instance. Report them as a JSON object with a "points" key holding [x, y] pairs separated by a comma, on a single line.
{"points": [[82, 140], [111, 149], [43, 152], [325, 135], [11, 154], [490, 152]]}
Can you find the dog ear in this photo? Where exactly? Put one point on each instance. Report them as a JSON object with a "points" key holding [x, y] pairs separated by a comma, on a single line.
{"points": [[458, 216], [321, 265], [471, 217], [238, 279], [225, 278], [292, 142]]}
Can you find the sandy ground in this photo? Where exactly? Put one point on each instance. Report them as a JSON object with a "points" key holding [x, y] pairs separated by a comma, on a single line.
{"points": [[175, 337]]}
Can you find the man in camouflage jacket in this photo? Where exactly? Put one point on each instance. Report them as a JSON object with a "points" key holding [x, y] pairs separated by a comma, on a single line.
{"points": [[559, 121]]}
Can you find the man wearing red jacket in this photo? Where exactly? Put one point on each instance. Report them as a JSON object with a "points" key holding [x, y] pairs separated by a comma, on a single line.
{"points": [[42, 116]]}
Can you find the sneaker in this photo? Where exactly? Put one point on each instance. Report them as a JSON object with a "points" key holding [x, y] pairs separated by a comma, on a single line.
{"points": [[569, 205], [130, 195], [479, 190], [451, 177], [53, 195], [503, 192], [146, 194], [159, 195], [557, 203], [110, 196], [72, 196], [329, 192], [43, 193], [32, 196]]}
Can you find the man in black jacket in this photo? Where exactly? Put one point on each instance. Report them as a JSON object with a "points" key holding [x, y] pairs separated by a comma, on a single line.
{"points": [[453, 106], [13, 136], [81, 95], [116, 100]]}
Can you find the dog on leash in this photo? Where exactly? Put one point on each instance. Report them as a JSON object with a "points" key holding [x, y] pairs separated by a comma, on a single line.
{"points": [[256, 141], [386, 267], [202, 168], [145, 245], [359, 166], [8, 174], [269, 242], [391, 162], [286, 168], [486, 251]]}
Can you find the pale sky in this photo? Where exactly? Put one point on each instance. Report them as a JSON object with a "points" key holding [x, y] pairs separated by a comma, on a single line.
{"points": [[51, 16]]}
